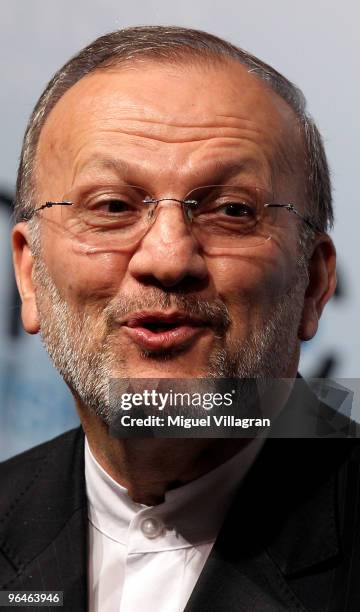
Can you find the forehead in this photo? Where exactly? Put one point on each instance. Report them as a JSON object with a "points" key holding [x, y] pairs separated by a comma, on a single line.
{"points": [[178, 113]]}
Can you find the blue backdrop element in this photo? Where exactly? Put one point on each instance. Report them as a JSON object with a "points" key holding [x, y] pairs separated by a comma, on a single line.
{"points": [[35, 403]]}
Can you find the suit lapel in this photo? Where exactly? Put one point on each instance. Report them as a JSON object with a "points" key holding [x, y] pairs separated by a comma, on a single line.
{"points": [[283, 525], [43, 527], [228, 585]]}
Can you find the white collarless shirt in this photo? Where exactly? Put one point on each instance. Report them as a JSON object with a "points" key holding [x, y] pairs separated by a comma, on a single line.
{"points": [[150, 557]]}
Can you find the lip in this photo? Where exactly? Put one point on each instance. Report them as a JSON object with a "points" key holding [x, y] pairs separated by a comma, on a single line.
{"points": [[185, 329]]}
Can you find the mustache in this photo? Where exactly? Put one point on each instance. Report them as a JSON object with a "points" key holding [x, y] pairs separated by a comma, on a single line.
{"points": [[213, 313]]}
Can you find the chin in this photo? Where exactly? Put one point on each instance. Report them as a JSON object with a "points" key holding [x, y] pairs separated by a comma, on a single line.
{"points": [[160, 366]]}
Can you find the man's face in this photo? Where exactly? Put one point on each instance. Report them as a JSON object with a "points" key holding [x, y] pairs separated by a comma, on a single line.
{"points": [[168, 129]]}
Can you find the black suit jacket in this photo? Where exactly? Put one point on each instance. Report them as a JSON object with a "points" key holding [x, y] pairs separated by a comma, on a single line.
{"points": [[291, 540]]}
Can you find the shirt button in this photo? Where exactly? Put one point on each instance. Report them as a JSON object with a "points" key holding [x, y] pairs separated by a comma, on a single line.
{"points": [[151, 527]]}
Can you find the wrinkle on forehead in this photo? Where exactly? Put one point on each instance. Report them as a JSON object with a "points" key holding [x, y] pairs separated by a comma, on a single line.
{"points": [[171, 132]]}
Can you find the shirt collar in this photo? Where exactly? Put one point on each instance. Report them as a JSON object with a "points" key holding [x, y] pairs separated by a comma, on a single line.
{"points": [[192, 513]]}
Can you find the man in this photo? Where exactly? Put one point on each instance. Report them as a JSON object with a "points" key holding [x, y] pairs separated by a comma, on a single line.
{"points": [[173, 200]]}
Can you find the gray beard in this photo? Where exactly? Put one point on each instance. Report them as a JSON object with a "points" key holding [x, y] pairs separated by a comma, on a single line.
{"points": [[80, 344]]}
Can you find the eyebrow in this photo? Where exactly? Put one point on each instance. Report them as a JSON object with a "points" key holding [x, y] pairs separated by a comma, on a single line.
{"points": [[227, 169], [221, 169], [94, 162]]}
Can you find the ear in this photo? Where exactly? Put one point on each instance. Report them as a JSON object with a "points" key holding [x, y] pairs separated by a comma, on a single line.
{"points": [[23, 264], [321, 286]]}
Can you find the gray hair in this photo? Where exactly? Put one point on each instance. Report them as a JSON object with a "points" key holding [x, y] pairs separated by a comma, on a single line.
{"points": [[175, 44]]}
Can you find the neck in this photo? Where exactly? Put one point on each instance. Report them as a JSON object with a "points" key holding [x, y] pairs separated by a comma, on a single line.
{"points": [[148, 468]]}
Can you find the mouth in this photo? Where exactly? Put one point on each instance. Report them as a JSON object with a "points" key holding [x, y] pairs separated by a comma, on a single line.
{"points": [[161, 331]]}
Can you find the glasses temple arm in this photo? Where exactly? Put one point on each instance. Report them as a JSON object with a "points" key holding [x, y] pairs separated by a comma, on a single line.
{"points": [[30, 215], [291, 208]]}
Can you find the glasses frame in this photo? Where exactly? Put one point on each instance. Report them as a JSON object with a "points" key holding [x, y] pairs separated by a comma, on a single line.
{"points": [[188, 205]]}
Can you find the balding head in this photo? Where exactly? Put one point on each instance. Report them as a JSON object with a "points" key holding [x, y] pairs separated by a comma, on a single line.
{"points": [[176, 45]]}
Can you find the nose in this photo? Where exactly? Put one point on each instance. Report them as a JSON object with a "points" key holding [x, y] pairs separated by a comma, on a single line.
{"points": [[168, 254]]}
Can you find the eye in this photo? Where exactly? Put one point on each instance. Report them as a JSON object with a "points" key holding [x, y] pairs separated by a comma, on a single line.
{"points": [[115, 206], [238, 209]]}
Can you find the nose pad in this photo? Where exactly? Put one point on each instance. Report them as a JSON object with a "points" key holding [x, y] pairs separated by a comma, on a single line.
{"points": [[163, 205]]}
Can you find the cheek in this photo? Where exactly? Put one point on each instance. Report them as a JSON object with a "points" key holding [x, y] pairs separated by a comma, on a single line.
{"points": [[250, 284], [85, 278]]}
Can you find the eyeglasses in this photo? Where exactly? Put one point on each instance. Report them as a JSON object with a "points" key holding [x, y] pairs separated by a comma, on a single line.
{"points": [[219, 216]]}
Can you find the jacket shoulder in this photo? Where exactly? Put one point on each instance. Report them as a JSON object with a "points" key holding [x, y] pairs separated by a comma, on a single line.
{"points": [[43, 519], [18, 469]]}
